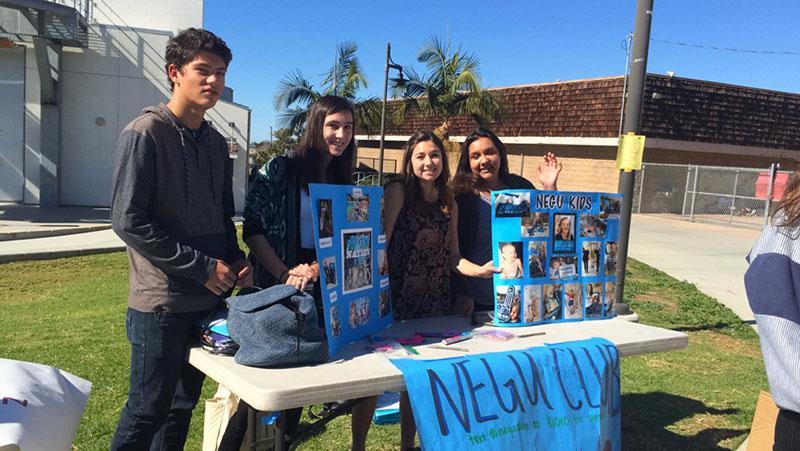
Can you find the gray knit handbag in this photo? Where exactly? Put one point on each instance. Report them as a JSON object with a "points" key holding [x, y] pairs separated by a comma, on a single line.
{"points": [[276, 327]]}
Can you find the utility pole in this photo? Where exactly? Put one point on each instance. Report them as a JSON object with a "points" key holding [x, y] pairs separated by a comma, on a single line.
{"points": [[632, 123]]}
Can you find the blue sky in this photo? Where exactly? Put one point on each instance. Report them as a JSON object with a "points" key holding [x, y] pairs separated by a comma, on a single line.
{"points": [[516, 41]]}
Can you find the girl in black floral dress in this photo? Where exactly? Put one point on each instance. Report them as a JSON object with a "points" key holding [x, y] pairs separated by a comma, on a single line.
{"points": [[421, 222]]}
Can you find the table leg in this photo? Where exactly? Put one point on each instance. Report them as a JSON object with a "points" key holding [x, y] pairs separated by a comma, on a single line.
{"points": [[280, 432]]}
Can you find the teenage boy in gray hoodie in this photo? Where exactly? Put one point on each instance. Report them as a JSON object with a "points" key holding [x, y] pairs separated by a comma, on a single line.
{"points": [[172, 205]]}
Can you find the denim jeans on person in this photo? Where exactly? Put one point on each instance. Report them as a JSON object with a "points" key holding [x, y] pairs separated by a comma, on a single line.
{"points": [[164, 387]]}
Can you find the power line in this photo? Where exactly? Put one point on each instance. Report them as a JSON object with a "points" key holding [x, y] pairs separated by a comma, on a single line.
{"points": [[727, 49]]}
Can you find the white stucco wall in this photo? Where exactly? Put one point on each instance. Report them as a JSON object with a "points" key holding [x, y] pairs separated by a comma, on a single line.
{"points": [[33, 142], [221, 116], [109, 83], [166, 15], [105, 87]]}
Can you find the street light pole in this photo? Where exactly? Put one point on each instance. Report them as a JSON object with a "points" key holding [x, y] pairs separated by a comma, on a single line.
{"points": [[632, 123], [389, 65], [383, 112]]}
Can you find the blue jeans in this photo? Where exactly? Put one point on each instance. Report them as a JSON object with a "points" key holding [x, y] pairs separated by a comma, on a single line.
{"points": [[164, 387]]}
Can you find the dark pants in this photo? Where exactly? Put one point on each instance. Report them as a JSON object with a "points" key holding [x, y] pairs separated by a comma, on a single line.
{"points": [[164, 388], [787, 431]]}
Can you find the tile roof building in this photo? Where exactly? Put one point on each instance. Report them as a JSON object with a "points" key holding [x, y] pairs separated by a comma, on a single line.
{"points": [[686, 122]]}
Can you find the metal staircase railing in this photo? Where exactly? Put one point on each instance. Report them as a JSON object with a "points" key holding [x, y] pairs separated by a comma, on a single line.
{"points": [[63, 22]]}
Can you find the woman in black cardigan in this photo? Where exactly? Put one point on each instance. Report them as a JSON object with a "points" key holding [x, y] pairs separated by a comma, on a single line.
{"points": [[483, 168]]}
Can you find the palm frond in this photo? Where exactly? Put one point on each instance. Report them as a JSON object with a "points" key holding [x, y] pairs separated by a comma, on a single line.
{"points": [[294, 89], [346, 76], [294, 119], [368, 113]]}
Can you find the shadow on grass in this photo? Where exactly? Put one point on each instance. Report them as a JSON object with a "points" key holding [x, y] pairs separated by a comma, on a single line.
{"points": [[646, 417], [697, 328]]}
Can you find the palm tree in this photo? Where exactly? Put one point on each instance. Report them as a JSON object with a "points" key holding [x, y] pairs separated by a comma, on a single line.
{"points": [[345, 78], [451, 87]]}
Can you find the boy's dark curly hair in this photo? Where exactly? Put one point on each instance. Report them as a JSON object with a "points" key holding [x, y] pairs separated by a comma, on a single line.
{"points": [[184, 47]]}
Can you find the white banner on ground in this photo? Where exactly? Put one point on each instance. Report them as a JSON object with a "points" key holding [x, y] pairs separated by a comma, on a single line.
{"points": [[40, 406]]}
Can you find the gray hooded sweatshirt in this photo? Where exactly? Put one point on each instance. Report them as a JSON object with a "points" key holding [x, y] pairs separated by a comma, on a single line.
{"points": [[172, 205]]}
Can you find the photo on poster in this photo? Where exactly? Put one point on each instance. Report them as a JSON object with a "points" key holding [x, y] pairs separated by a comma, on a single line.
{"points": [[383, 264], [533, 303], [357, 260], [593, 299], [573, 301], [329, 270], [385, 302], [537, 259], [512, 205], [611, 258], [336, 324], [510, 259], [593, 226], [536, 224], [563, 268], [508, 303], [325, 209], [564, 233], [610, 206], [357, 207], [359, 312], [609, 301], [552, 301], [591, 258]]}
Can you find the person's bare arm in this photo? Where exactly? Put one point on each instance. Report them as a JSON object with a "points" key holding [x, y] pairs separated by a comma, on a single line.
{"points": [[393, 200], [261, 248]]}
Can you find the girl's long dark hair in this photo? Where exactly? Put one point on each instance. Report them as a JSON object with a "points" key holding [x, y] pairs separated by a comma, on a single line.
{"points": [[464, 180], [413, 191], [789, 206], [312, 147]]}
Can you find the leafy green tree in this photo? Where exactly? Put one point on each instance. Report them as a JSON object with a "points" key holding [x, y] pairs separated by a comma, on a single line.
{"points": [[345, 78], [284, 142], [450, 87]]}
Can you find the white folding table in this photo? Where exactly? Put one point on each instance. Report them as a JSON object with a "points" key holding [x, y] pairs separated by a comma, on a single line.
{"points": [[356, 372]]}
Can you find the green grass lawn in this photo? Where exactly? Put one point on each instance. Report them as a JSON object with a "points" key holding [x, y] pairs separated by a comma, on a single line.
{"points": [[69, 313]]}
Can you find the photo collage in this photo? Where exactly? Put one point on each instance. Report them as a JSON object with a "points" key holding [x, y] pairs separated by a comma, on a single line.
{"points": [[556, 253], [351, 251]]}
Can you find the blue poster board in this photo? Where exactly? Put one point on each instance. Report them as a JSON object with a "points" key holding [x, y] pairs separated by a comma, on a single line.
{"points": [[351, 251], [563, 396], [557, 252]]}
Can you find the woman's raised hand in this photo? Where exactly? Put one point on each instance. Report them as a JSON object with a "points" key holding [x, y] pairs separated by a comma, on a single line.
{"points": [[548, 171]]}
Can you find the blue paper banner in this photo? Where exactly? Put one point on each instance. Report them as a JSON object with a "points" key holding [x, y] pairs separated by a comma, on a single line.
{"points": [[351, 251], [557, 252], [555, 397]]}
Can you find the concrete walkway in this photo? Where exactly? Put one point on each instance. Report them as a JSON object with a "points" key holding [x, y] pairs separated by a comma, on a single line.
{"points": [[712, 257], [28, 221]]}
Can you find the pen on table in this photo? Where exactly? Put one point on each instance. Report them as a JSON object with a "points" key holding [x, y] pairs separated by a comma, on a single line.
{"points": [[531, 334], [456, 339], [448, 348], [411, 350]]}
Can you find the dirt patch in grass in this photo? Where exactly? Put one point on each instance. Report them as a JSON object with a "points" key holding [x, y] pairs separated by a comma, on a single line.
{"points": [[669, 305], [730, 345]]}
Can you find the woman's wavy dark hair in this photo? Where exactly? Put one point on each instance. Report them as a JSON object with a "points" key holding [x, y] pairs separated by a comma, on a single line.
{"points": [[413, 191], [789, 206], [464, 181], [312, 147]]}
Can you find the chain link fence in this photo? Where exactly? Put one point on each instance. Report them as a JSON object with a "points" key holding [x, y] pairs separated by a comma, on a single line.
{"points": [[737, 196]]}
